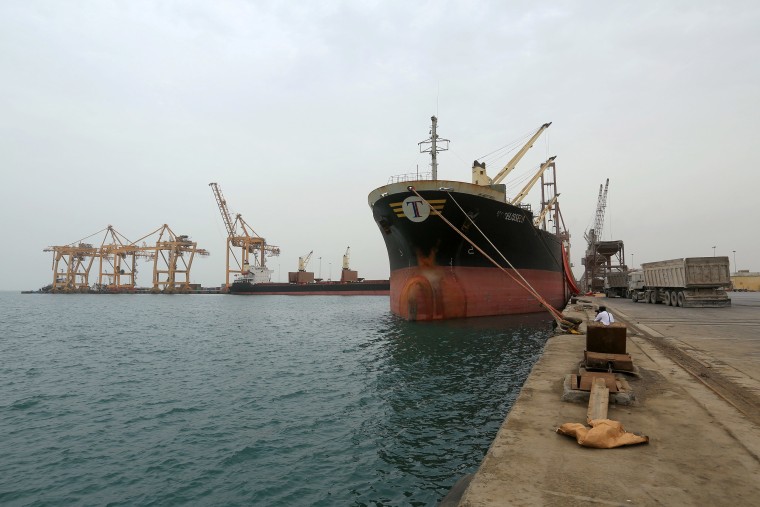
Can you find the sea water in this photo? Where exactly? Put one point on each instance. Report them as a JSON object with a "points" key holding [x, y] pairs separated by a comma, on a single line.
{"points": [[257, 400]]}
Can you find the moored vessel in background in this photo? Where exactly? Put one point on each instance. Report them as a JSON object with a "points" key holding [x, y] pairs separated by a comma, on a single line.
{"points": [[459, 249], [244, 286], [257, 281]]}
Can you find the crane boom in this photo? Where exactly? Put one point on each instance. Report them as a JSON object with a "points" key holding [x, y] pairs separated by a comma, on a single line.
{"points": [[304, 261], [222, 203], [540, 218], [253, 248], [524, 192], [600, 208], [519, 155]]}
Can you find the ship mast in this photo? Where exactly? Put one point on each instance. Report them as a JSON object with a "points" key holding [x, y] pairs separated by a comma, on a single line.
{"points": [[434, 148]]}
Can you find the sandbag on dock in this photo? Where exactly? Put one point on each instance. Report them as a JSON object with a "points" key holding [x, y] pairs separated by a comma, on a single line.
{"points": [[603, 434]]}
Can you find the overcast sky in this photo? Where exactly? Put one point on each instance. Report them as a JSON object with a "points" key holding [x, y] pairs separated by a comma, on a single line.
{"points": [[122, 113]]}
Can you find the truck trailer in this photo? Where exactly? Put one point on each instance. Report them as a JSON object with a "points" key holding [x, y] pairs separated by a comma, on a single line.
{"points": [[692, 282], [616, 284]]}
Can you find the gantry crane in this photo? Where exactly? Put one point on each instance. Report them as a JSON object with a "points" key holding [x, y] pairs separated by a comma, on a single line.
{"points": [[241, 235], [172, 256], [71, 266], [172, 259], [120, 255]]}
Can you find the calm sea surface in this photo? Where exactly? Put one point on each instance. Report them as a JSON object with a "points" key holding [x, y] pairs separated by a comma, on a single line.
{"points": [[264, 400]]}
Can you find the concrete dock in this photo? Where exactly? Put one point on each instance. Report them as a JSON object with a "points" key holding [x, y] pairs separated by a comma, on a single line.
{"points": [[697, 398]]}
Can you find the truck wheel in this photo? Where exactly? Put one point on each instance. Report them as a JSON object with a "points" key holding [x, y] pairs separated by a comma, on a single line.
{"points": [[633, 296], [674, 298], [653, 297], [666, 298], [680, 298]]}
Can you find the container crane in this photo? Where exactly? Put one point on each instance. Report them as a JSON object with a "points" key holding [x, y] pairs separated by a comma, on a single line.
{"points": [[172, 258], [246, 240]]}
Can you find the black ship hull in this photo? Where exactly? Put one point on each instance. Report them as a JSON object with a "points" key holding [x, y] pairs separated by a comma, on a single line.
{"points": [[436, 273]]}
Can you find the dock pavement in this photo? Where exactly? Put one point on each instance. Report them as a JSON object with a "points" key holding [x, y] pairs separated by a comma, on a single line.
{"points": [[697, 398]]}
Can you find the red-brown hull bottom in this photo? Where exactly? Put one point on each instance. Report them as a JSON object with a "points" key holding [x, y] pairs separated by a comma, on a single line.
{"points": [[455, 292]]}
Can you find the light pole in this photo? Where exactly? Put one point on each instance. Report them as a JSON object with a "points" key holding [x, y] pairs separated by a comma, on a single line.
{"points": [[320, 267], [713, 251], [330, 276], [735, 270], [632, 266]]}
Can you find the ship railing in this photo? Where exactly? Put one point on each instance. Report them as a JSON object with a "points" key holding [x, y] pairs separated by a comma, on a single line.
{"points": [[399, 178]]}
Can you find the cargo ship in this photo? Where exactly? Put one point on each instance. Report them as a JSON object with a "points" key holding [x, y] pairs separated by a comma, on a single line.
{"points": [[256, 280], [459, 249], [243, 286]]}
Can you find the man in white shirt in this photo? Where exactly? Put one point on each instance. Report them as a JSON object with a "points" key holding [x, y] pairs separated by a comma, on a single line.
{"points": [[603, 316]]}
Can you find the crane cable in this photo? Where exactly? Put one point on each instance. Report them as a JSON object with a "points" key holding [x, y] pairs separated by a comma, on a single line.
{"points": [[524, 283]]}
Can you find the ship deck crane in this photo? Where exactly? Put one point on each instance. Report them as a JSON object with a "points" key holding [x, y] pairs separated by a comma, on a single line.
{"points": [[304, 261], [518, 156], [246, 240], [524, 192], [549, 206], [346, 258]]}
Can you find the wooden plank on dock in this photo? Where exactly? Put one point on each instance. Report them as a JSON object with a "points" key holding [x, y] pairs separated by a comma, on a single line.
{"points": [[598, 401]]}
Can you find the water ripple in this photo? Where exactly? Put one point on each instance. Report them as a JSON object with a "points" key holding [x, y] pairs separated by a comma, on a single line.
{"points": [[216, 400]]}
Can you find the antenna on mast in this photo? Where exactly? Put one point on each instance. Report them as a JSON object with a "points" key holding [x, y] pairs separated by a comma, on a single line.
{"points": [[433, 141]]}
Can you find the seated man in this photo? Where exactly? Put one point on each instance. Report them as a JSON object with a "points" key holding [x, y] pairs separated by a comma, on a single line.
{"points": [[603, 316]]}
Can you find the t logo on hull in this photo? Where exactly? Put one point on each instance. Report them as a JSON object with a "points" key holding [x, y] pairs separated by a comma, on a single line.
{"points": [[415, 209]]}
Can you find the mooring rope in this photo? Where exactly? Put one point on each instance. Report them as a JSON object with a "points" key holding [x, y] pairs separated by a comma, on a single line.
{"points": [[524, 283], [530, 287]]}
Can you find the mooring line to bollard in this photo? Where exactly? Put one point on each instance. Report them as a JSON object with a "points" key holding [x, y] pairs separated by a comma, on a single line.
{"points": [[524, 283]]}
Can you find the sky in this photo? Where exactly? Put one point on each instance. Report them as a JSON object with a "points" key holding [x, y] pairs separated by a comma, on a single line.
{"points": [[122, 112]]}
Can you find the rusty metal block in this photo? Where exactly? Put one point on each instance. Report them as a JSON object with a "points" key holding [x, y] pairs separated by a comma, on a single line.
{"points": [[587, 381], [606, 339], [621, 362]]}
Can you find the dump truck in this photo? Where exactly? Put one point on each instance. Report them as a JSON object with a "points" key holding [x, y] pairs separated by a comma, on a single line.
{"points": [[616, 284], [692, 282]]}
